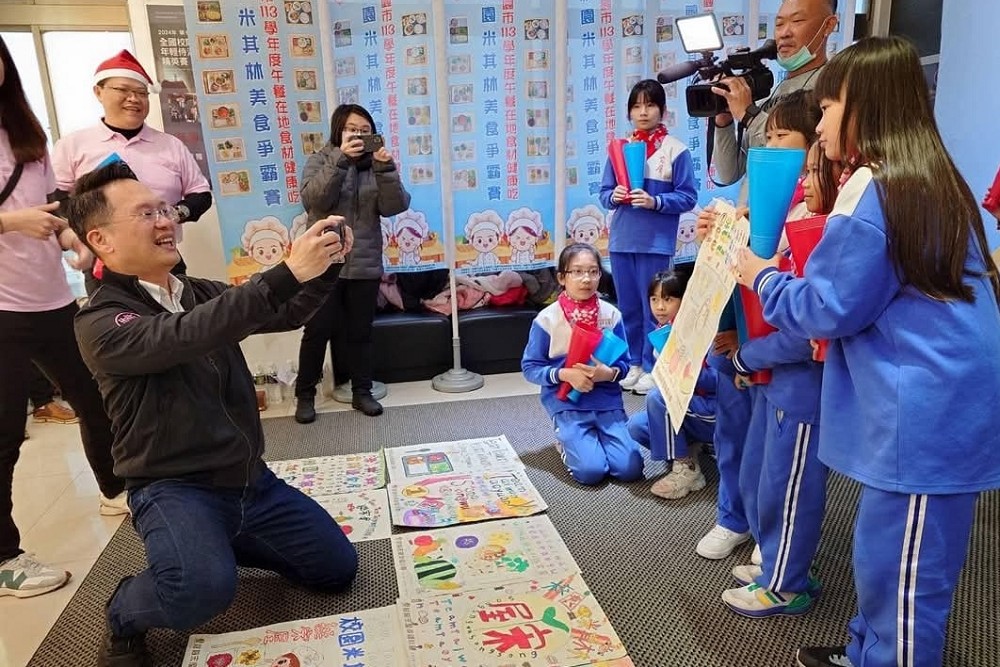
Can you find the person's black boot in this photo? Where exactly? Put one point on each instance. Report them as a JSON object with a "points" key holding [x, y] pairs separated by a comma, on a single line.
{"points": [[366, 404], [122, 651], [305, 410]]}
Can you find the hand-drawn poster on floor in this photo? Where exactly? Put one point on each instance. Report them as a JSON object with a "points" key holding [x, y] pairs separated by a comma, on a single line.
{"points": [[363, 516], [552, 622], [442, 458], [330, 475], [711, 285], [428, 502], [370, 638], [486, 555]]}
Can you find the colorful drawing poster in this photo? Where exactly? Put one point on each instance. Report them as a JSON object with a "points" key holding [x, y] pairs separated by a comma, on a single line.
{"points": [[711, 285], [442, 458], [371, 638], [258, 73], [428, 502], [501, 93], [550, 622], [485, 555], [178, 96], [363, 516], [331, 475], [384, 60]]}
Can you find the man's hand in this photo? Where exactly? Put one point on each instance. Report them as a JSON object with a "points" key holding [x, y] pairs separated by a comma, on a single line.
{"points": [[314, 251], [352, 146], [642, 199], [578, 378], [748, 266], [36, 222], [382, 155], [738, 97], [619, 194], [726, 342]]}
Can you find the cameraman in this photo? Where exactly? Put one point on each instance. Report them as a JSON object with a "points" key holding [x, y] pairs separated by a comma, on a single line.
{"points": [[801, 29]]}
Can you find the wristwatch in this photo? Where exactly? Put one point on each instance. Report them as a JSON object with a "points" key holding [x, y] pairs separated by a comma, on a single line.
{"points": [[751, 113], [183, 212]]}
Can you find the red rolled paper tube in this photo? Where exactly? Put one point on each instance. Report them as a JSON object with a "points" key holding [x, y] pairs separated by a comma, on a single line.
{"points": [[757, 327], [616, 154], [991, 202], [582, 344], [803, 237]]}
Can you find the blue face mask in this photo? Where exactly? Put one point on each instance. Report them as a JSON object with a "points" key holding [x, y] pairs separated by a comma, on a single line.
{"points": [[800, 58]]}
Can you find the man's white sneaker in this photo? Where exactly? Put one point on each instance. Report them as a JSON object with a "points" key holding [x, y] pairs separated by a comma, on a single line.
{"points": [[24, 577], [720, 542], [644, 385], [116, 506], [679, 482], [634, 373]]}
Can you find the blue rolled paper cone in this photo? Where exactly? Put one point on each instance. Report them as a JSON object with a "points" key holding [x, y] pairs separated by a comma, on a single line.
{"points": [[609, 350], [773, 174], [635, 163], [658, 337]]}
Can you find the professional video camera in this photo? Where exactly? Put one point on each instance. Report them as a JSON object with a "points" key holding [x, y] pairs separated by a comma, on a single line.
{"points": [[700, 34]]}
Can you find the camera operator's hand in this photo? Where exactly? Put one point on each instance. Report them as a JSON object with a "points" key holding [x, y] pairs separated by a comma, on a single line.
{"points": [[619, 194], [352, 146], [382, 155], [314, 251], [642, 199], [738, 97]]}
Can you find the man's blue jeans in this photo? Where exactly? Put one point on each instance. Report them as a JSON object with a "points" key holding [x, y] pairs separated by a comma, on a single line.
{"points": [[196, 535]]}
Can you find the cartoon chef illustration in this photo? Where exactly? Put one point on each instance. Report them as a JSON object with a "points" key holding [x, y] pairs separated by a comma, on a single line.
{"points": [[410, 231], [524, 229], [586, 224], [483, 232], [265, 241]]}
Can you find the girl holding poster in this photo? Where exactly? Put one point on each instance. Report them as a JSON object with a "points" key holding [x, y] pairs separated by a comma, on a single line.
{"points": [[643, 223], [903, 286]]}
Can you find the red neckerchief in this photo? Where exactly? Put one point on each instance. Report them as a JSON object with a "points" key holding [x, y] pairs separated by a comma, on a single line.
{"points": [[653, 138], [799, 195], [580, 312]]}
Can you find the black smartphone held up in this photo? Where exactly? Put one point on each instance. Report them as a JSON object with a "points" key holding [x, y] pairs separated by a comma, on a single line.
{"points": [[372, 142], [338, 229]]}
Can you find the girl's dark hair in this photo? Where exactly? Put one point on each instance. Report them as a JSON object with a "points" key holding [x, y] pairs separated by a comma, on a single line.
{"points": [[651, 90], [799, 112], [669, 284], [828, 178], [338, 120], [888, 125], [25, 133], [574, 249]]}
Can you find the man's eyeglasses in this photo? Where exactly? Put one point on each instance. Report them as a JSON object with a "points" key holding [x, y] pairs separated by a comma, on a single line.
{"points": [[168, 213], [358, 130], [580, 274], [128, 92]]}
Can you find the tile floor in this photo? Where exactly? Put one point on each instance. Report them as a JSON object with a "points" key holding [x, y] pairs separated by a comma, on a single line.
{"points": [[56, 500]]}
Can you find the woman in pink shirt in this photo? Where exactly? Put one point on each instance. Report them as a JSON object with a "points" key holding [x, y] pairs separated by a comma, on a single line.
{"points": [[161, 161], [36, 325]]}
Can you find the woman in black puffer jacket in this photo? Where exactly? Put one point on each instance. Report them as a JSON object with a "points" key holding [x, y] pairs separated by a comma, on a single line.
{"points": [[343, 179]]}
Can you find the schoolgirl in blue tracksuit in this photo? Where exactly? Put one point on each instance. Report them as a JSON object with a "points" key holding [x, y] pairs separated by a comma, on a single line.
{"points": [[914, 331], [592, 432], [643, 228]]}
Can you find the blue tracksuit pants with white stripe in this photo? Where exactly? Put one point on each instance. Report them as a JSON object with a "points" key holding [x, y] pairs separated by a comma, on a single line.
{"points": [[783, 485], [908, 553], [652, 429], [632, 272], [594, 444]]}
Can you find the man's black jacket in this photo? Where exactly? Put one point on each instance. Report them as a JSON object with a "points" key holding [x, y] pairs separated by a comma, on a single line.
{"points": [[176, 386]]}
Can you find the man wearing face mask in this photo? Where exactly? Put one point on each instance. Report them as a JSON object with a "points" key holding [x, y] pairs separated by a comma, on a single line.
{"points": [[801, 29]]}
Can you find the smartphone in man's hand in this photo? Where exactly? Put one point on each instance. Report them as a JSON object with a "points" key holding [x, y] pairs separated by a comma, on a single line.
{"points": [[372, 142]]}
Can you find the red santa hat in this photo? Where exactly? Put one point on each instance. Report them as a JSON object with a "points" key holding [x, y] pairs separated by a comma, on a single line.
{"points": [[124, 65]]}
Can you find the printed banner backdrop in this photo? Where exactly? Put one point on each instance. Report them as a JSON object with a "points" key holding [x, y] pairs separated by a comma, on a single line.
{"points": [[259, 68], [178, 97], [382, 61], [501, 93]]}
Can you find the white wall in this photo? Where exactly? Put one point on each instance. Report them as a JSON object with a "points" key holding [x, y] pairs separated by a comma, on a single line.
{"points": [[968, 99], [202, 245]]}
